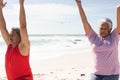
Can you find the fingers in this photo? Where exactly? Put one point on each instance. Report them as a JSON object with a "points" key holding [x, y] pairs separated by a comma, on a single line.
{"points": [[21, 1], [118, 6], [2, 4], [1, 1], [78, 1], [5, 3]]}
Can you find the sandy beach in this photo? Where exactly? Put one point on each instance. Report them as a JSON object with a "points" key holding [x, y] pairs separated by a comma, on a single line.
{"points": [[77, 65], [72, 66], [56, 58], [67, 67]]}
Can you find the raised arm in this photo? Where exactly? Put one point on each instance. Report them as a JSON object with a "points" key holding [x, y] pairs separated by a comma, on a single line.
{"points": [[3, 29], [24, 44], [118, 19], [86, 25]]}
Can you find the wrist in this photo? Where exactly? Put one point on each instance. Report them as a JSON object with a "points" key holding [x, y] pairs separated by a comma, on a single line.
{"points": [[21, 4], [78, 4]]}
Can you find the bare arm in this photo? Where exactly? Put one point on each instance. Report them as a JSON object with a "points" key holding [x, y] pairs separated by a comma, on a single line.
{"points": [[86, 25], [24, 44], [118, 19], [3, 29]]}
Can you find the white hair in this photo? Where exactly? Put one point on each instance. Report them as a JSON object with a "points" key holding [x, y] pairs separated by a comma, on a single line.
{"points": [[106, 20]]}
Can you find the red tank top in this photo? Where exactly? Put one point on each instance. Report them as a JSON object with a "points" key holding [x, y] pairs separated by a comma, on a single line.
{"points": [[17, 66]]}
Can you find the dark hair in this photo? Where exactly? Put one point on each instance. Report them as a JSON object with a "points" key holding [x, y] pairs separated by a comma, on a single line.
{"points": [[17, 31]]}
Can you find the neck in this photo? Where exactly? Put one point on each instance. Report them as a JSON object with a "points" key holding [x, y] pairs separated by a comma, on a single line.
{"points": [[14, 44]]}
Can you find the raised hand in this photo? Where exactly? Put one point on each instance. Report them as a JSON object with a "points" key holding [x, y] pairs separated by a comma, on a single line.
{"points": [[78, 1], [118, 18], [2, 4], [118, 6], [21, 1]]}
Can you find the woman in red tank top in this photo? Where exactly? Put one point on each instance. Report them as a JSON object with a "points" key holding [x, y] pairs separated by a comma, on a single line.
{"points": [[17, 55]]}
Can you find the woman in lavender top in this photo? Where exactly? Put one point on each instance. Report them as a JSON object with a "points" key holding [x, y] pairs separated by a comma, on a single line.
{"points": [[104, 45]]}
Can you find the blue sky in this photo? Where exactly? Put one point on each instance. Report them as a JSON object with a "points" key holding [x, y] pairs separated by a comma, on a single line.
{"points": [[59, 16]]}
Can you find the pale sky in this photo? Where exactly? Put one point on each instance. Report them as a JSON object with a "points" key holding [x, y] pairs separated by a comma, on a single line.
{"points": [[59, 16]]}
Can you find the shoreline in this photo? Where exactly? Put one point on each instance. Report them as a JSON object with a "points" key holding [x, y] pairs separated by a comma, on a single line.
{"points": [[65, 67], [73, 65]]}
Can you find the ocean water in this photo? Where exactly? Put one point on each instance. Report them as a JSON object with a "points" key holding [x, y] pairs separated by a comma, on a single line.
{"points": [[52, 45], [49, 46]]}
